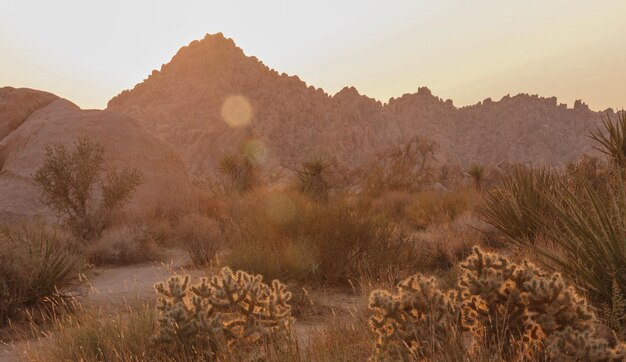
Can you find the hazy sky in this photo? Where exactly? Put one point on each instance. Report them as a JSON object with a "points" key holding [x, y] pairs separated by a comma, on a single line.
{"points": [[88, 51]]}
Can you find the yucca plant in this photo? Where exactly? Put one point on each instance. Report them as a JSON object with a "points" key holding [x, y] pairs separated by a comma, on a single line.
{"points": [[311, 179], [240, 173], [612, 142], [478, 174], [591, 234], [34, 266], [521, 191]]}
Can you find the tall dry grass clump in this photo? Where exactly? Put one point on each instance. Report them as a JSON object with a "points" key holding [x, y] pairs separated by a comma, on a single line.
{"points": [[128, 243], [286, 236], [37, 264], [201, 236]]}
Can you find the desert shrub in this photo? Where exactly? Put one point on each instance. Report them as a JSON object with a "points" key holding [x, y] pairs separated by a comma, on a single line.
{"points": [[312, 181], [36, 265], [93, 336], [612, 141], [239, 172], [340, 339], [233, 312], [511, 310], [124, 244], [478, 174], [405, 168], [430, 208], [424, 209], [334, 242], [68, 178], [520, 192], [200, 236]]}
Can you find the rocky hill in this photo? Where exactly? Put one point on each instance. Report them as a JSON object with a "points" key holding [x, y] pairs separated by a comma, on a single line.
{"points": [[35, 120], [211, 99]]}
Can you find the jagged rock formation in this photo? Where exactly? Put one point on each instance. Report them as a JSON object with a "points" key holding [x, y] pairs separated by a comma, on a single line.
{"points": [[41, 119], [187, 103]]}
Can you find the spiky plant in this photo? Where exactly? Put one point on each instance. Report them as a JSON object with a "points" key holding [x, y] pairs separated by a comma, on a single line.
{"points": [[311, 179], [591, 234], [239, 171], [612, 142], [232, 312], [521, 191], [478, 174]]}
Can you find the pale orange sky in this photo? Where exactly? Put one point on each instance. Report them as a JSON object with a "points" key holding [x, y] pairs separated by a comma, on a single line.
{"points": [[88, 51]]}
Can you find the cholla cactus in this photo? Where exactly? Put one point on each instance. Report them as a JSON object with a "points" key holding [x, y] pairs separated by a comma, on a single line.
{"points": [[231, 308], [572, 345], [411, 321], [517, 304]]}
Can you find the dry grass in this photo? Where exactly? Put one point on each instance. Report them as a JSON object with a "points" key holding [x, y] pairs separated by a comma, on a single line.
{"points": [[286, 236], [122, 245], [37, 264]]}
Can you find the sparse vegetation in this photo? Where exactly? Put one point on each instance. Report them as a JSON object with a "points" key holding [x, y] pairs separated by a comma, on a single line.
{"points": [[312, 180], [231, 313], [521, 191], [239, 172], [612, 140], [478, 174], [36, 265], [68, 178]]}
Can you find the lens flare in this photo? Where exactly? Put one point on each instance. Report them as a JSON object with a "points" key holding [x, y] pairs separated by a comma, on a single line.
{"points": [[236, 111], [255, 151]]}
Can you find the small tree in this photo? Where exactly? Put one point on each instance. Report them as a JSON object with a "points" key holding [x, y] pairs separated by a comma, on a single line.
{"points": [[311, 180], [478, 173], [67, 179]]}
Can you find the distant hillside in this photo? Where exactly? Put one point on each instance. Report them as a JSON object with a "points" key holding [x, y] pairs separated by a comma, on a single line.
{"points": [[211, 83]]}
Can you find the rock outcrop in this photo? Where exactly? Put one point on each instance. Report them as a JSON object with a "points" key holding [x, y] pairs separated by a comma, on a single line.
{"points": [[126, 143], [211, 99]]}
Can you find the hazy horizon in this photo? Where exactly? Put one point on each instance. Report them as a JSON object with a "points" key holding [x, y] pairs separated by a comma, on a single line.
{"points": [[462, 51]]}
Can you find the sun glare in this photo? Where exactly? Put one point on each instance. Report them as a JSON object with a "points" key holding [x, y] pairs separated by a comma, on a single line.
{"points": [[237, 111]]}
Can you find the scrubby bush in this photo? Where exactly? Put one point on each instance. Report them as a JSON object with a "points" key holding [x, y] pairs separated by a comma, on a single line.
{"points": [[123, 244], [513, 310], [68, 179], [36, 265], [94, 336], [326, 243], [312, 180], [201, 237], [405, 168], [232, 312]]}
